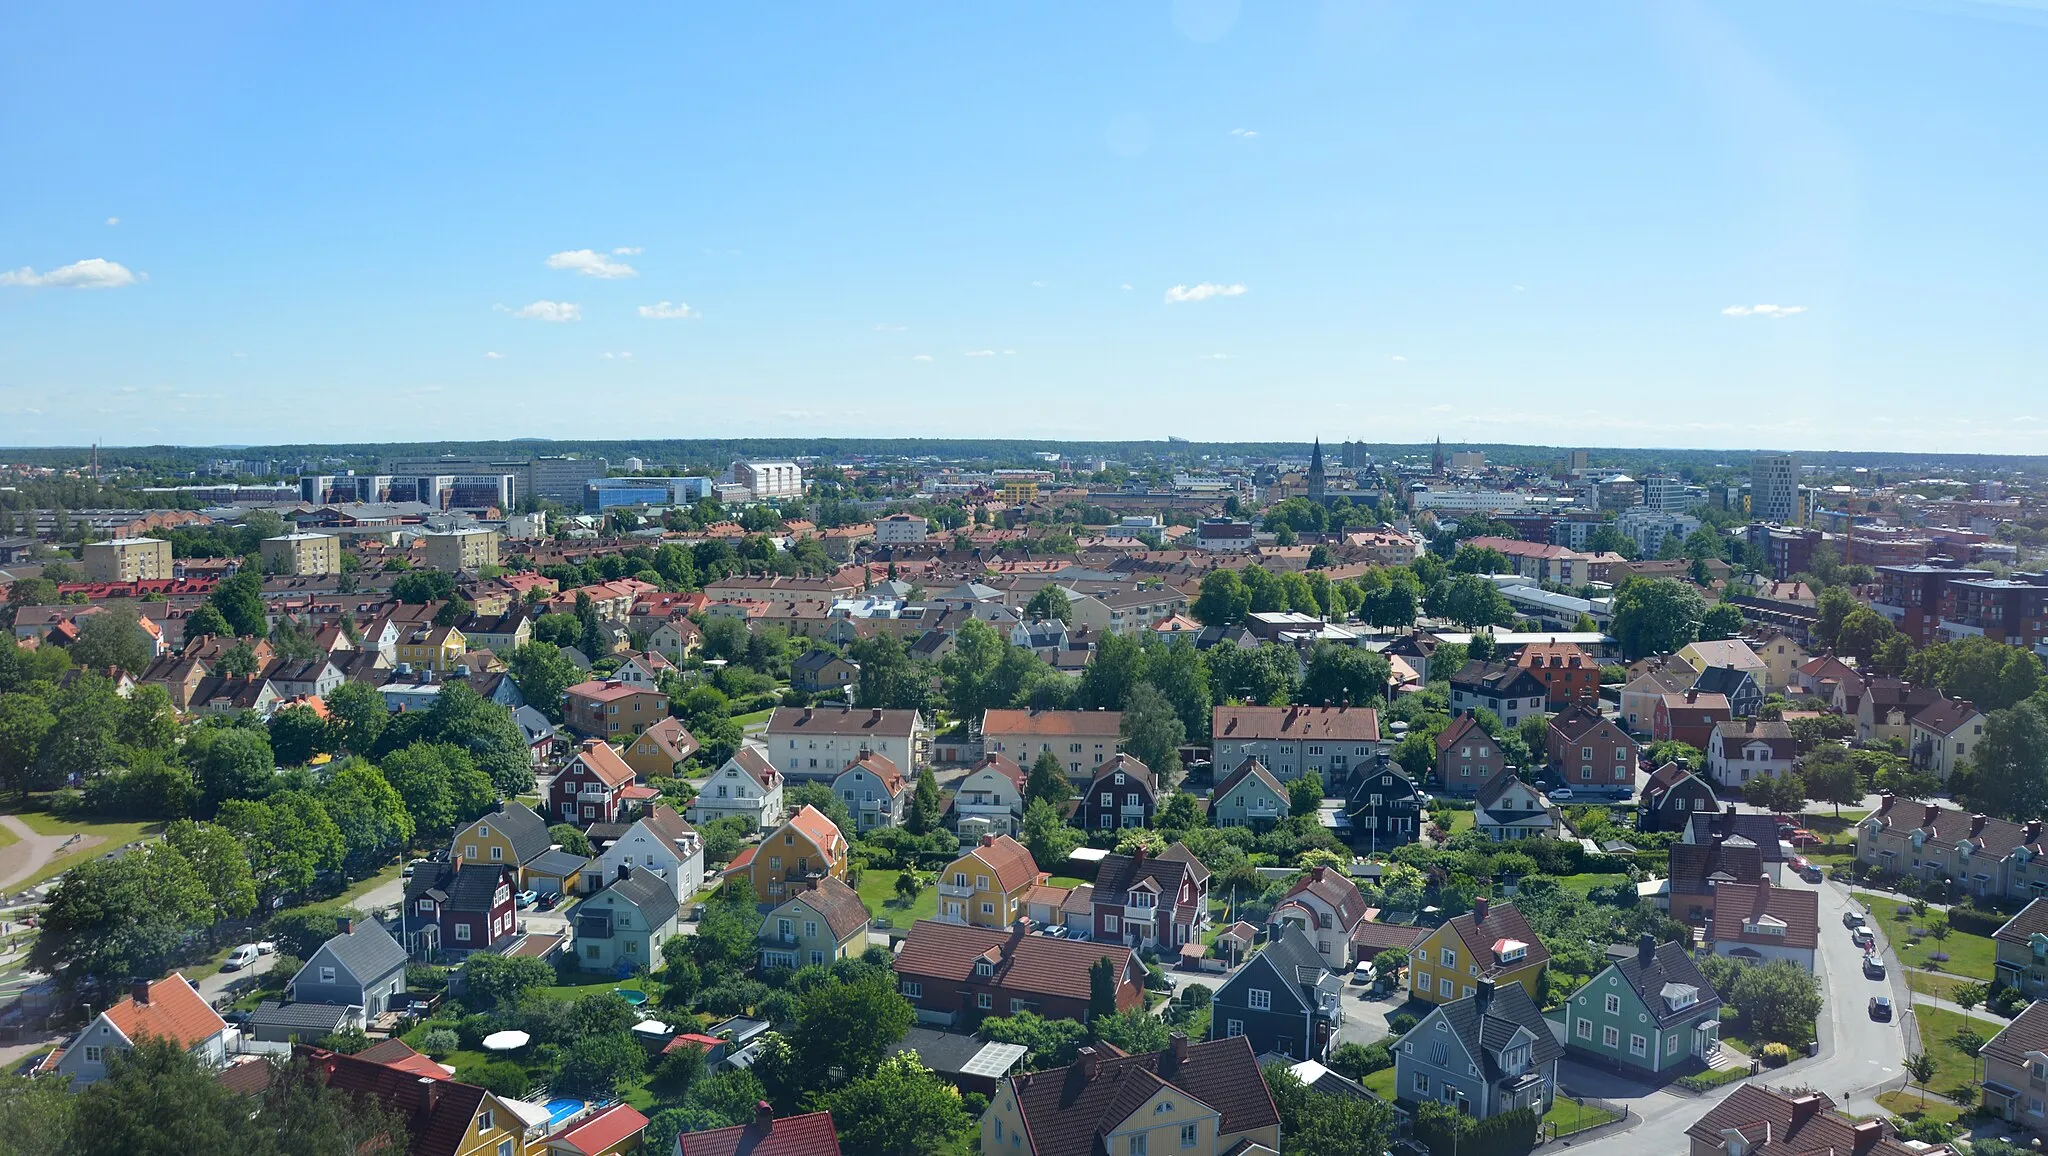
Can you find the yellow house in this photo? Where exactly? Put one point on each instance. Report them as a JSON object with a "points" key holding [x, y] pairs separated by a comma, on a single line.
{"points": [[1188, 1100], [436, 648], [807, 846], [512, 835], [468, 1120], [985, 887], [1492, 941]]}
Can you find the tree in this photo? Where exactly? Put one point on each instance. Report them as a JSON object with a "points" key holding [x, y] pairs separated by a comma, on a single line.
{"points": [[1180, 813], [1048, 836], [420, 587], [2012, 763], [1305, 794], [908, 886], [571, 839], [1048, 781], [1722, 620], [926, 805], [158, 1100], [230, 763], [218, 862], [1920, 1066], [966, 675], [112, 638], [358, 716], [1102, 985], [1152, 731], [1135, 1030], [1050, 604], [1780, 999], [1834, 604], [303, 1115], [1863, 632], [1472, 601], [108, 920], [1831, 778], [289, 838], [888, 677], [239, 600], [206, 621], [501, 980], [372, 816], [297, 733], [1107, 681], [1656, 615], [542, 674], [597, 1065], [900, 1109], [849, 1026], [25, 722], [1053, 1042], [237, 661], [35, 1115], [440, 785], [1314, 1124], [1340, 675], [1224, 600], [1784, 793]]}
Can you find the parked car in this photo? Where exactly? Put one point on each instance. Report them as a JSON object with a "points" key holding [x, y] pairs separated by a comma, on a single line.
{"points": [[240, 957], [1862, 938], [1873, 967], [266, 947], [526, 898], [1561, 795], [1852, 919], [1880, 1007], [1811, 874]]}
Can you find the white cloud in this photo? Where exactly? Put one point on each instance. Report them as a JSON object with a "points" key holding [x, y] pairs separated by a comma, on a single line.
{"points": [[920, 357], [980, 353], [1244, 132], [1041, 284], [1397, 357], [113, 220], [628, 251], [546, 311], [1126, 286], [1180, 294], [669, 311], [1009, 353], [495, 356], [91, 273], [1762, 310], [1215, 357], [621, 356], [590, 263]]}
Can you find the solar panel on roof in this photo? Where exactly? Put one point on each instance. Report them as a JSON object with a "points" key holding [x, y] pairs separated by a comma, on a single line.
{"points": [[993, 1060]]}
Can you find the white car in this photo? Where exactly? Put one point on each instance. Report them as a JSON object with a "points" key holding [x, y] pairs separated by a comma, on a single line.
{"points": [[240, 957], [1561, 795]]}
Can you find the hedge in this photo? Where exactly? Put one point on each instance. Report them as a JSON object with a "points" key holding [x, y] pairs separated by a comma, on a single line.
{"points": [[1707, 1081], [1448, 1134], [1974, 922]]}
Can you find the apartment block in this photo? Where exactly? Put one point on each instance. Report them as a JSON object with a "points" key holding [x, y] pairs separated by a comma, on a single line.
{"points": [[466, 549], [301, 554], [127, 560]]}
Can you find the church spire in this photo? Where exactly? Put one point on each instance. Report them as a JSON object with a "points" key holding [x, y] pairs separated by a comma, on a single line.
{"points": [[1315, 472]]}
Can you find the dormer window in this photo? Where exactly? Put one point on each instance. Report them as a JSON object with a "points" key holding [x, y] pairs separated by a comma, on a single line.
{"points": [[984, 968]]}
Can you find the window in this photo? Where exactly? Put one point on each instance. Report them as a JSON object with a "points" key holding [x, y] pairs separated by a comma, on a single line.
{"points": [[1445, 987], [483, 1120], [913, 990], [1233, 1027], [93, 1053], [1111, 924], [1016, 1005], [1613, 1005], [504, 1148], [1422, 1083], [984, 968], [1447, 957], [1671, 1046], [988, 909], [1259, 999], [462, 932], [1422, 981], [497, 853], [1637, 1045], [1611, 1037], [1137, 1145], [1585, 1029], [1190, 1135], [326, 975], [984, 1001]]}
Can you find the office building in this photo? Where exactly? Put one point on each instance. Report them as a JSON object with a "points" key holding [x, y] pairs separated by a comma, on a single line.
{"points": [[1666, 495], [769, 480], [553, 478], [601, 494], [1774, 489], [127, 560], [301, 554]]}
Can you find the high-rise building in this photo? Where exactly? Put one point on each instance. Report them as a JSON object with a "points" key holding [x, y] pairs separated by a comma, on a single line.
{"points": [[301, 554], [1665, 494], [1774, 489], [1355, 456], [556, 479], [770, 479], [127, 560]]}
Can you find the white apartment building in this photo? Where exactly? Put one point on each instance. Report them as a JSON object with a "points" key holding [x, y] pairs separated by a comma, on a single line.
{"points": [[902, 530], [1774, 488], [1647, 527], [769, 479]]}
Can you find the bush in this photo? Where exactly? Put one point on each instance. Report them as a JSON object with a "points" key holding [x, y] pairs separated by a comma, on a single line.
{"points": [[499, 1077], [1777, 1055], [440, 1042], [1708, 1081], [425, 977], [1400, 1023]]}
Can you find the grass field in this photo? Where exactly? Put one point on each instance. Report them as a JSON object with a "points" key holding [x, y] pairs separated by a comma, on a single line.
{"points": [[1065, 881], [1937, 985], [1938, 1026], [878, 894], [6, 837], [1909, 1105], [752, 717], [112, 835], [1454, 821], [1581, 884], [1380, 1083], [1567, 1117], [1968, 954]]}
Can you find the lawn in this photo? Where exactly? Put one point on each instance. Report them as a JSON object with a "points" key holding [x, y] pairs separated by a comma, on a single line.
{"points": [[1454, 821], [1380, 1083], [1581, 884], [1568, 1117], [112, 835], [1065, 881], [878, 894], [1952, 1068], [579, 984], [1908, 1105], [1968, 954], [752, 717], [1937, 985]]}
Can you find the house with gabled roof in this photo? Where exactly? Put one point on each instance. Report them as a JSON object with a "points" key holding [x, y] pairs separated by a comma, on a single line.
{"points": [[1250, 796], [1294, 740], [1744, 749], [1699, 870], [811, 1134], [1486, 1053], [1123, 793], [1205, 1098], [805, 847], [1944, 735], [876, 793], [1384, 806], [747, 785], [169, 1008], [1509, 691], [990, 799], [1671, 795], [1979, 853], [1759, 829], [987, 884], [1744, 689], [1688, 717], [1641, 693], [2016, 1068], [2021, 944], [621, 928], [813, 744], [590, 786], [361, 965], [1756, 1120], [1507, 809], [1145, 899], [954, 973], [1759, 923], [1591, 754], [1325, 905], [1082, 739], [444, 1117], [610, 1131], [458, 907], [511, 835], [661, 750], [818, 925], [1467, 757], [662, 844], [1492, 941], [1650, 1013], [1286, 999]]}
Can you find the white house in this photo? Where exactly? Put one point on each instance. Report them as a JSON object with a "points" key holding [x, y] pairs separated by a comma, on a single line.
{"points": [[660, 843], [1743, 749], [814, 744], [990, 800], [171, 1008], [748, 785], [1507, 809], [902, 530]]}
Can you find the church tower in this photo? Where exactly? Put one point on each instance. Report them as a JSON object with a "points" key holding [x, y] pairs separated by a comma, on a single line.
{"points": [[1315, 473]]}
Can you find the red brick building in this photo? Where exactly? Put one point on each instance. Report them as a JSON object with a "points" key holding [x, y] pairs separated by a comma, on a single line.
{"points": [[1569, 675], [1589, 751], [589, 788], [954, 973], [1689, 717], [609, 708]]}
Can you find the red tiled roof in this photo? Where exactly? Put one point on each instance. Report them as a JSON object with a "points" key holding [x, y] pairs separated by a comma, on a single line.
{"points": [[1503, 921], [809, 1135], [1738, 903], [881, 768], [1461, 726], [672, 737], [1038, 964], [175, 1011], [605, 763], [822, 832], [1053, 723], [437, 1113], [599, 690], [1008, 859], [596, 1133], [1333, 723], [1065, 1110]]}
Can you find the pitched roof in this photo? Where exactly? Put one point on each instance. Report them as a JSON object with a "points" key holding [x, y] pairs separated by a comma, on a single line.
{"points": [[1668, 967], [1460, 727], [602, 759], [1054, 723], [1306, 723], [393, 1053], [1739, 906], [881, 768], [823, 833], [1503, 921], [437, 1113], [472, 888], [1727, 652], [1697, 867], [2028, 1032], [1335, 889], [667, 825], [1986, 835], [1293, 956], [811, 1134], [1010, 861], [1737, 733], [1784, 1124], [1701, 704], [366, 950], [1040, 964], [1002, 765], [2032, 920], [838, 904], [1066, 1111], [174, 1011], [1578, 720], [648, 892], [602, 690], [1762, 830], [672, 737], [1125, 764], [315, 1020], [1945, 717], [1372, 937], [602, 1130], [1724, 680], [1250, 769], [753, 760], [527, 831], [1116, 874], [1485, 1033], [1492, 789], [842, 721]]}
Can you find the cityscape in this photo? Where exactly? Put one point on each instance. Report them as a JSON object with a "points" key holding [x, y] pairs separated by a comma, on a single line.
{"points": [[1169, 579]]}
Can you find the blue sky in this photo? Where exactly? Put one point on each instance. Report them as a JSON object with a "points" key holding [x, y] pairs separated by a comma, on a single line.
{"points": [[1499, 222]]}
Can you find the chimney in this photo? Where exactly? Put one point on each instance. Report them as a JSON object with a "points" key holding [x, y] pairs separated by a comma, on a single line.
{"points": [[1479, 910], [764, 1117], [1749, 725], [2033, 831], [1484, 998], [1178, 1044], [625, 871], [1138, 855], [1927, 816], [1692, 696], [1884, 803], [1867, 1134], [1976, 825], [346, 924], [988, 840], [1646, 949], [1090, 1062], [875, 715], [430, 1090], [807, 715], [139, 991], [1805, 1108]]}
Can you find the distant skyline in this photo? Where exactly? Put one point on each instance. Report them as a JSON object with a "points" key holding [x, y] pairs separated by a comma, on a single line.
{"points": [[1694, 225]]}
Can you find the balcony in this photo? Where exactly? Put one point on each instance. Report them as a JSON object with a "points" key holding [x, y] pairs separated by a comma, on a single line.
{"points": [[771, 940], [955, 891], [1896, 613]]}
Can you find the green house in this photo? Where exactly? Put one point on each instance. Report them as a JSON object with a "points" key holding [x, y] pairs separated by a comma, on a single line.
{"points": [[1251, 797], [621, 928], [1651, 1013], [827, 922]]}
